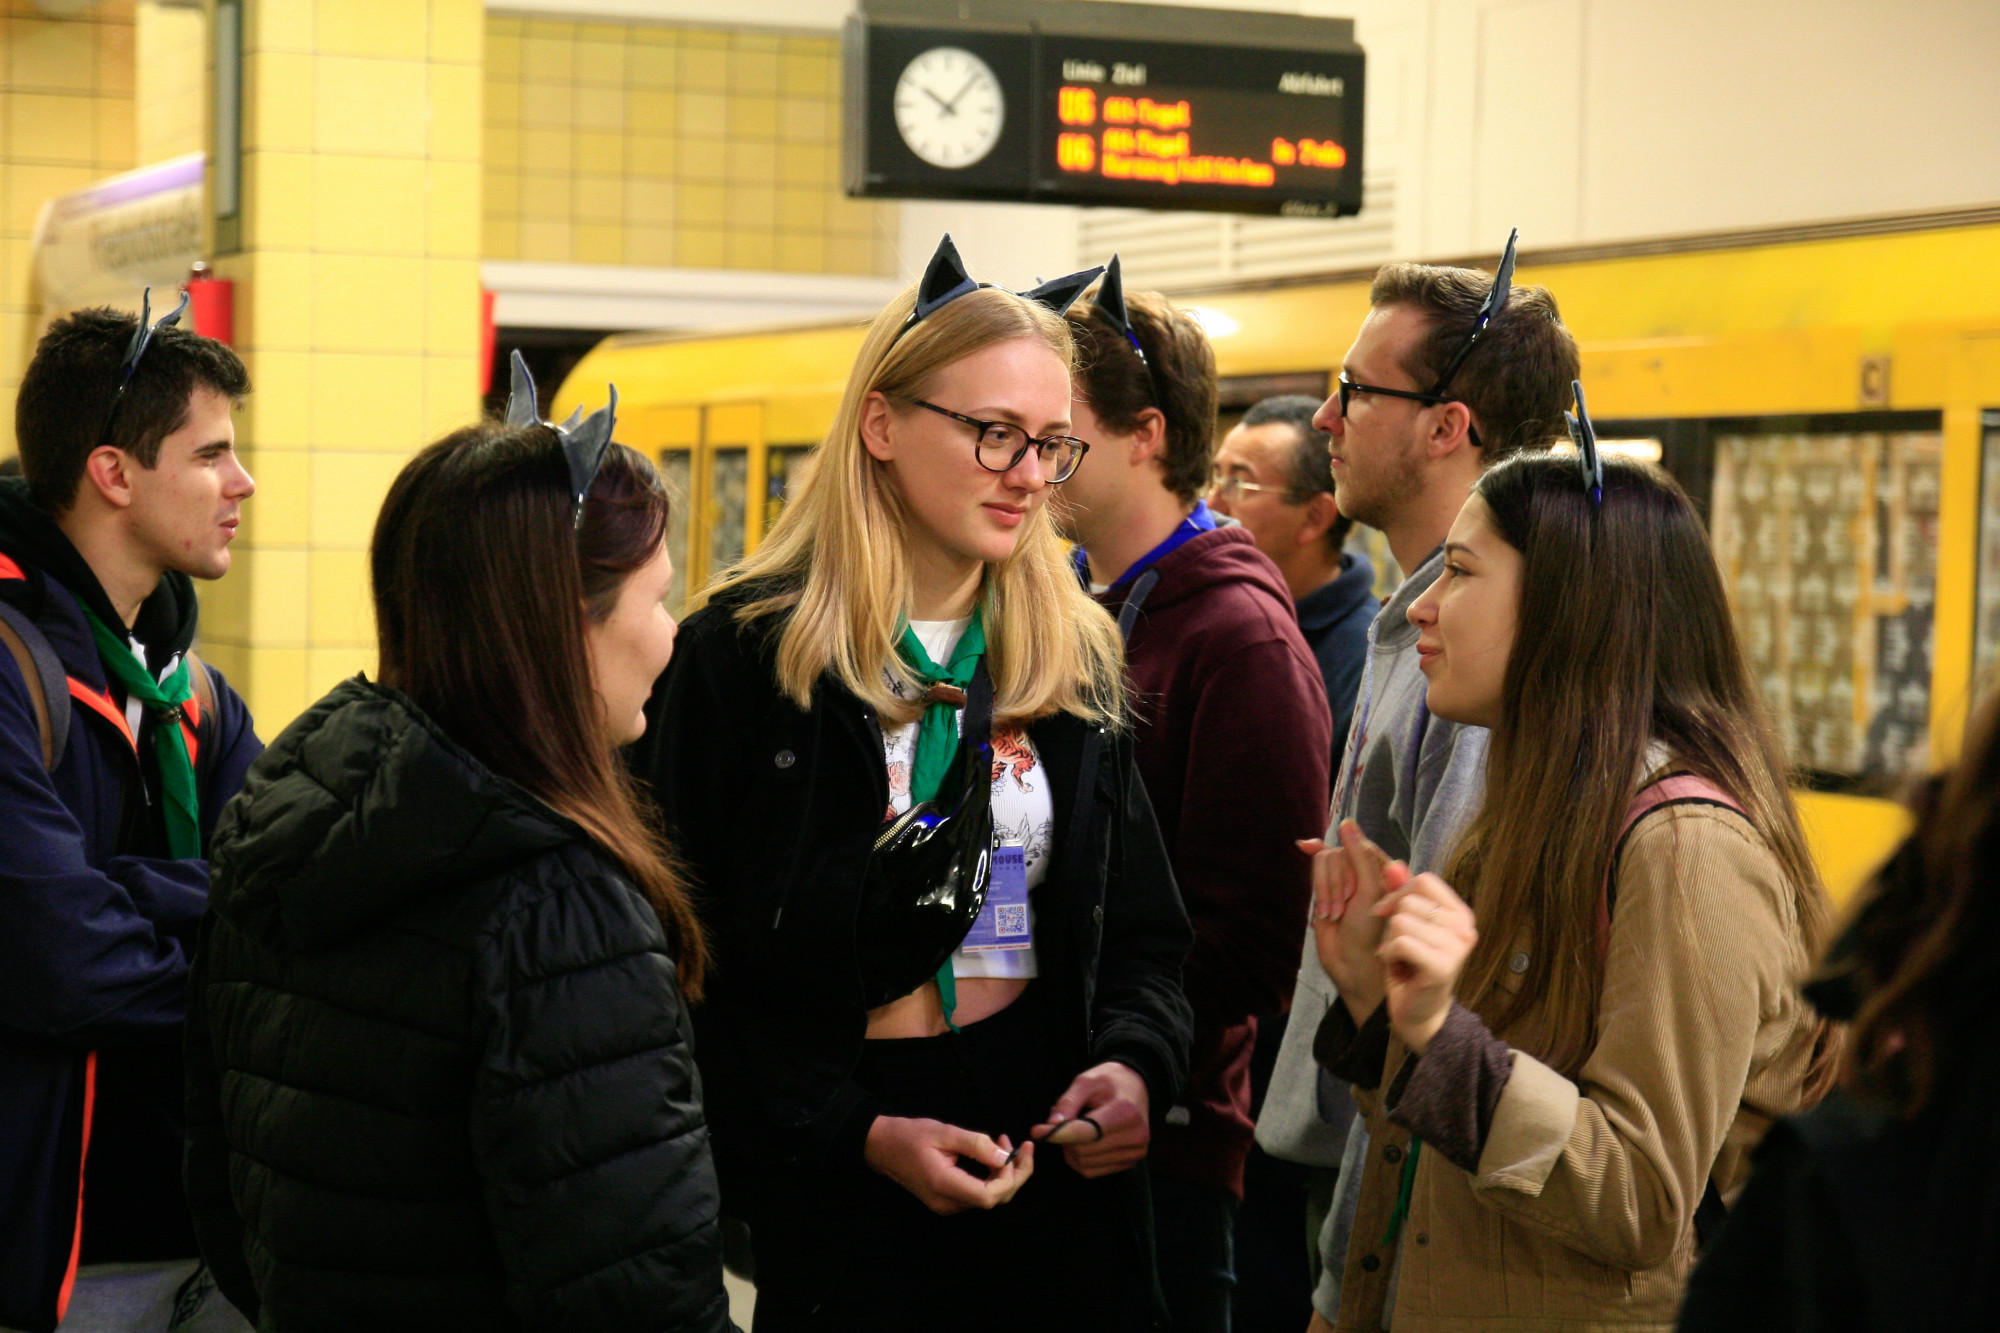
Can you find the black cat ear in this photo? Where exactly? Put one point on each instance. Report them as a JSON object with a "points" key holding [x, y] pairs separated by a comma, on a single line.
{"points": [[585, 445], [1503, 280], [1059, 294], [1110, 300], [522, 409], [1590, 463], [945, 280]]}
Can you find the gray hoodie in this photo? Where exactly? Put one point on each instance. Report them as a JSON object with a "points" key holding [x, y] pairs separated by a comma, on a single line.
{"points": [[1413, 782]]}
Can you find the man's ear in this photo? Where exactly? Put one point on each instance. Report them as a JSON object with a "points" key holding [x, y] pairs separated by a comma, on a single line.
{"points": [[875, 415], [110, 470], [1149, 440], [1320, 516], [1452, 430]]}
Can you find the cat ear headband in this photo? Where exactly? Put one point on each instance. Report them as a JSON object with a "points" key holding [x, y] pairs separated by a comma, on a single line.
{"points": [[135, 350], [1110, 306], [1589, 462], [945, 280], [585, 440], [1489, 310]]}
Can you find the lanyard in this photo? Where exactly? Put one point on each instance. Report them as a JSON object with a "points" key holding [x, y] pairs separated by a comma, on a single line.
{"points": [[1199, 520]]}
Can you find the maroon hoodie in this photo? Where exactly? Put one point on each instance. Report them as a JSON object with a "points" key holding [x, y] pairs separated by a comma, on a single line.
{"points": [[1233, 744]]}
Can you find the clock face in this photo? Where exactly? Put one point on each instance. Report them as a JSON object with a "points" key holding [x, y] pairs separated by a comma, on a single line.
{"points": [[949, 107]]}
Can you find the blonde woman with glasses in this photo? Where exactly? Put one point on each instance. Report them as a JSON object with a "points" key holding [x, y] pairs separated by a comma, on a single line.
{"points": [[946, 999]]}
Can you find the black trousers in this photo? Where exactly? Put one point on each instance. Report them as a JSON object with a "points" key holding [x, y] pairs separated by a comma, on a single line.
{"points": [[1063, 1254]]}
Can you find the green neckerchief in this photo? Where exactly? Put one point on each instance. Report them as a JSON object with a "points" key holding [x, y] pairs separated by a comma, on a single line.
{"points": [[937, 738], [164, 698]]}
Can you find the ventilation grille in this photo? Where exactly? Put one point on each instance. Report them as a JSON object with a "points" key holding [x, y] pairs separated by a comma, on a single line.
{"points": [[1177, 251]]}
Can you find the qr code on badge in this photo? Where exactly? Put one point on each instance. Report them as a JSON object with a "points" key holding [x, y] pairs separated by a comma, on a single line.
{"points": [[1010, 919]]}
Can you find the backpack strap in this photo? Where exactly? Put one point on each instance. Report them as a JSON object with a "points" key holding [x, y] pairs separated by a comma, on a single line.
{"points": [[1674, 789], [48, 684]]}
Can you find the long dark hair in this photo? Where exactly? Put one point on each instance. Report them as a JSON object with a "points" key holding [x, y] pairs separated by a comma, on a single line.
{"points": [[1632, 643], [483, 586], [1918, 965]]}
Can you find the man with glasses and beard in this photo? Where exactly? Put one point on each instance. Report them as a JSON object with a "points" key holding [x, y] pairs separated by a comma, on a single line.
{"points": [[1451, 371], [117, 749]]}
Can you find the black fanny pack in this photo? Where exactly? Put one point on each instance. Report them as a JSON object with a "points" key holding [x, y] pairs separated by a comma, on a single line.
{"points": [[927, 879]]}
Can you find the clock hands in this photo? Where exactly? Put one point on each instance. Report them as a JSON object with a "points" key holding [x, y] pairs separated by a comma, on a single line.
{"points": [[939, 100], [952, 105]]}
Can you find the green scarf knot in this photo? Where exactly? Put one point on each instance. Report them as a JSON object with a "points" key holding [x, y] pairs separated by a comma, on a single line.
{"points": [[165, 699]]}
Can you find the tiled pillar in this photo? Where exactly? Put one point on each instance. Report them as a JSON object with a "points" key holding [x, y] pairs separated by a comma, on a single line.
{"points": [[65, 121], [357, 310]]}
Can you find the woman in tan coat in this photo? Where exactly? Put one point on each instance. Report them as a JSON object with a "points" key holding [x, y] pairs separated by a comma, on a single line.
{"points": [[1565, 1059]]}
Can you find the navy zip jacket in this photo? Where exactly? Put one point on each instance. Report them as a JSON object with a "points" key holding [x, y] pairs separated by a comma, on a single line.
{"points": [[99, 925]]}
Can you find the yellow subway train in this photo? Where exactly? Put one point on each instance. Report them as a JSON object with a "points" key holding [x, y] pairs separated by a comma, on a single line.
{"points": [[1830, 397]]}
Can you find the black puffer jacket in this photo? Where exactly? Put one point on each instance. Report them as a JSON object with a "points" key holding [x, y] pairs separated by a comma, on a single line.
{"points": [[439, 1069]]}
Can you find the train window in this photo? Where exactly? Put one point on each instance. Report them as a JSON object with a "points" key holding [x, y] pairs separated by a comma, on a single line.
{"points": [[1825, 528], [781, 468], [729, 501], [1986, 633], [676, 471]]}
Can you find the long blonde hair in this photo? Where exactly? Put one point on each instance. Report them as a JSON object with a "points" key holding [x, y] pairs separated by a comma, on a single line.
{"points": [[839, 558]]}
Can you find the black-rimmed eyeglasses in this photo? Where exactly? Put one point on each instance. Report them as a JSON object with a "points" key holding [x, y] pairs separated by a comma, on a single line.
{"points": [[1002, 445], [1347, 388], [135, 350]]}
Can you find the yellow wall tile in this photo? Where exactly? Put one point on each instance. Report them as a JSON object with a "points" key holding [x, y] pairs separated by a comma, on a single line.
{"points": [[30, 185], [801, 252], [369, 106], [503, 52], [277, 613], [598, 199], [547, 106], [702, 159], [753, 117], [599, 152], [546, 150], [752, 163], [801, 164], [278, 198], [457, 31], [368, 205], [116, 46], [277, 27], [502, 191], [547, 59], [451, 308], [651, 66], [750, 39], [277, 294], [500, 238], [397, 29], [545, 198], [328, 667], [352, 416], [753, 71], [278, 87], [503, 148], [451, 394], [117, 133], [545, 241], [653, 34], [275, 418], [649, 247], [649, 203], [343, 611], [347, 491], [698, 248], [274, 681], [600, 108], [801, 75], [277, 514], [704, 68], [651, 110], [598, 62], [847, 254], [225, 603], [703, 115], [367, 303], [801, 208], [53, 127], [752, 250], [599, 243], [702, 205], [549, 29], [452, 210], [503, 103], [649, 155], [455, 113], [804, 120], [52, 53], [753, 206], [15, 278]]}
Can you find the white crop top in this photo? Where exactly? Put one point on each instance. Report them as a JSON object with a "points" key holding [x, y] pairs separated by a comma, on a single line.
{"points": [[1022, 810]]}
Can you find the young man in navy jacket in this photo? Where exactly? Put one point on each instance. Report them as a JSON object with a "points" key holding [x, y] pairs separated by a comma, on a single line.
{"points": [[132, 489], [1233, 742]]}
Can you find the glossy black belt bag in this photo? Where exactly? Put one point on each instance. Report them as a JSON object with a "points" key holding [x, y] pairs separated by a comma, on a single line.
{"points": [[927, 879]]}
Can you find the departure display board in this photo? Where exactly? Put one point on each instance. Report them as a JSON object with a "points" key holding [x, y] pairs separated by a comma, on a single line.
{"points": [[1122, 112]]}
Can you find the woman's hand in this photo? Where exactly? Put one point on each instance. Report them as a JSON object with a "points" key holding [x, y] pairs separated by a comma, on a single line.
{"points": [[1430, 933], [922, 1156], [1113, 1097], [1348, 882]]}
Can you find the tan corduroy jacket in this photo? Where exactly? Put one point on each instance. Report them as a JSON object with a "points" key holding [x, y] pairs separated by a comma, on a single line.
{"points": [[1581, 1213]]}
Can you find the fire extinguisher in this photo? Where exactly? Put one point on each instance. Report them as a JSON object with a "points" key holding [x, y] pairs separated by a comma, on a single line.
{"points": [[212, 303]]}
